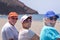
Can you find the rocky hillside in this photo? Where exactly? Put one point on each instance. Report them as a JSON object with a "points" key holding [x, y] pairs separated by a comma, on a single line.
{"points": [[7, 6]]}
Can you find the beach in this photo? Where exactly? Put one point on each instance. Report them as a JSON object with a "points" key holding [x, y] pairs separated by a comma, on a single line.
{"points": [[36, 26]]}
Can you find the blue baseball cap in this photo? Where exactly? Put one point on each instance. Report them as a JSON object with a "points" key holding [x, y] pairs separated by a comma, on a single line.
{"points": [[51, 14]]}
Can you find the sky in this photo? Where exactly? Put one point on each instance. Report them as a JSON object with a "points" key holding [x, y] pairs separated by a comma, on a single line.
{"points": [[42, 6]]}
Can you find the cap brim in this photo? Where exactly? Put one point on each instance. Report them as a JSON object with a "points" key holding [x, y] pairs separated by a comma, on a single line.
{"points": [[57, 16], [24, 18], [29, 17]]}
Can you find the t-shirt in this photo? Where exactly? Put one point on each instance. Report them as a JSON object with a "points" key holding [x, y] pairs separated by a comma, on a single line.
{"points": [[8, 31], [25, 34], [49, 33]]}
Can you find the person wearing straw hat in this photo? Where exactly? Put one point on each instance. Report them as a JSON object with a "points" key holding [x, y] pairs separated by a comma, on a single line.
{"points": [[9, 32], [25, 33], [49, 32]]}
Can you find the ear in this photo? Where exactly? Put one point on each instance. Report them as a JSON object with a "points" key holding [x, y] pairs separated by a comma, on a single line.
{"points": [[46, 19], [22, 23]]}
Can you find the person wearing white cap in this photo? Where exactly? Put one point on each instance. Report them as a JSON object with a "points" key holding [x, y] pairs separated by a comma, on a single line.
{"points": [[25, 33]]}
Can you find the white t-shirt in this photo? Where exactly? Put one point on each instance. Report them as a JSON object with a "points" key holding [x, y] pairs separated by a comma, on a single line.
{"points": [[8, 31], [25, 34]]}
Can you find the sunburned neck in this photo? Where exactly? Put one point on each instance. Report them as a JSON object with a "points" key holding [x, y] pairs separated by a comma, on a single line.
{"points": [[25, 28], [11, 23]]}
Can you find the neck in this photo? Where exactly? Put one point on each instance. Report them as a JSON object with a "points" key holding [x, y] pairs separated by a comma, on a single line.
{"points": [[11, 23], [49, 25], [25, 28]]}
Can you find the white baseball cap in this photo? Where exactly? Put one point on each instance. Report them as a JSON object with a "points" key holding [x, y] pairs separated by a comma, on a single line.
{"points": [[24, 18]]}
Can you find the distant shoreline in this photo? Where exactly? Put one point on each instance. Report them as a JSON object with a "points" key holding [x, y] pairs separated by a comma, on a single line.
{"points": [[38, 17]]}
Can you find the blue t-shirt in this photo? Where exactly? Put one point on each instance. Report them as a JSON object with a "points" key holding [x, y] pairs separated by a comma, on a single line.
{"points": [[9, 32], [49, 33]]}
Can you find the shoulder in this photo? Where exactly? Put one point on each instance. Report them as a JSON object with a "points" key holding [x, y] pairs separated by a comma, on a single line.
{"points": [[35, 37], [51, 29], [48, 28], [6, 27], [31, 32], [23, 31], [26, 32]]}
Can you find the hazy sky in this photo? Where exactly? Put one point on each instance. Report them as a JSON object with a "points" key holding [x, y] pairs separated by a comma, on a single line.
{"points": [[43, 5]]}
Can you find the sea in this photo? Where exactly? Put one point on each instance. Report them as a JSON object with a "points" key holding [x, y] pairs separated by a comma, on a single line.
{"points": [[37, 17]]}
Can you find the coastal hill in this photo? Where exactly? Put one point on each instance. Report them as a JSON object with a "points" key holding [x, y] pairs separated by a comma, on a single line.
{"points": [[7, 6]]}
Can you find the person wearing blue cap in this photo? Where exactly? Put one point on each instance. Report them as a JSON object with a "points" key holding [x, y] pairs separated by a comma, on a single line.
{"points": [[48, 32]]}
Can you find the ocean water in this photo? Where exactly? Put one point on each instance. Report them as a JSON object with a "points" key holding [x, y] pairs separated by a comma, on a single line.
{"points": [[38, 17]]}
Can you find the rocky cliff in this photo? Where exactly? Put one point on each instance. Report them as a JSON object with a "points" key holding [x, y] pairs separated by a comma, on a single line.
{"points": [[7, 6]]}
